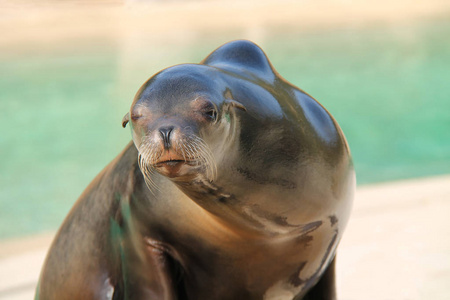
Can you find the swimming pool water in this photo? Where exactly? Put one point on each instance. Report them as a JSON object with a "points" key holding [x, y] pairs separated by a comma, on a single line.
{"points": [[61, 111]]}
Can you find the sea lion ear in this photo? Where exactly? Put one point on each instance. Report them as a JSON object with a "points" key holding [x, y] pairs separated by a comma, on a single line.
{"points": [[125, 120], [234, 103]]}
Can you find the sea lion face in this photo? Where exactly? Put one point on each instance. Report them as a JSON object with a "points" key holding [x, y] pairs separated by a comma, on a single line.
{"points": [[174, 117]]}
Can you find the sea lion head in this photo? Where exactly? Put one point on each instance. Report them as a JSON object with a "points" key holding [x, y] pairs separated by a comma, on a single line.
{"points": [[178, 118]]}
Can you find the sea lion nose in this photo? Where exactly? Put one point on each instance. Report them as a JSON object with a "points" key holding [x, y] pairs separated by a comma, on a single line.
{"points": [[165, 135]]}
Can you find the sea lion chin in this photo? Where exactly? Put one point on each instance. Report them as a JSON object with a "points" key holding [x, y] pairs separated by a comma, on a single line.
{"points": [[237, 185]]}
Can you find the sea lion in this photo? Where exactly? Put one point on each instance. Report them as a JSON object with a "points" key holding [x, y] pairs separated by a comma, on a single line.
{"points": [[237, 185]]}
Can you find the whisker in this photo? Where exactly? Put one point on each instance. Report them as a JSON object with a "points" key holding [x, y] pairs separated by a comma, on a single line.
{"points": [[204, 156], [148, 154]]}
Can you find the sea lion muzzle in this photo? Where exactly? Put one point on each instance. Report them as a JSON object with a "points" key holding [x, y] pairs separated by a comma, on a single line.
{"points": [[174, 151]]}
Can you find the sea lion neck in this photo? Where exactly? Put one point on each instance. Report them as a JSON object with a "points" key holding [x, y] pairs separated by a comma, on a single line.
{"points": [[224, 206]]}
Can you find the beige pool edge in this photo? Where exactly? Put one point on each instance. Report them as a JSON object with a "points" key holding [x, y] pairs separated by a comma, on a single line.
{"points": [[396, 246], [26, 22]]}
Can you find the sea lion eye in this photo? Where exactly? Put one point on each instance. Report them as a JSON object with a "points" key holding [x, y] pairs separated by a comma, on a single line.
{"points": [[212, 114], [204, 108], [135, 116]]}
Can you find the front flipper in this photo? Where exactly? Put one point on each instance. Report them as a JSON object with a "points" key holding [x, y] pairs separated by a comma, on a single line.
{"points": [[148, 270]]}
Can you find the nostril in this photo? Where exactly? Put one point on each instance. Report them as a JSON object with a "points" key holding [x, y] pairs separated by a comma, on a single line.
{"points": [[165, 135]]}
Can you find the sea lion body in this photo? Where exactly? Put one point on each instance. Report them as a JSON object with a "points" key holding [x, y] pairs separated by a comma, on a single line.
{"points": [[238, 186]]}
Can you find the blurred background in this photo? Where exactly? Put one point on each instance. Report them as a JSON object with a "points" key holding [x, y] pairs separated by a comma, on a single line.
{"points": [[69, 71]]}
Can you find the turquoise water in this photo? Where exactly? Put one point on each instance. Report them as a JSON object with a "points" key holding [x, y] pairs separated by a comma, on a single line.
{"points": [[61, 110]]}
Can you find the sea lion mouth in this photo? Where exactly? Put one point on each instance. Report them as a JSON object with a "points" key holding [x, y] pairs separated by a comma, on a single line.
{"points": [[189, 156], [171, 168], [174, 163], [171, 164], [170, 159]]}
